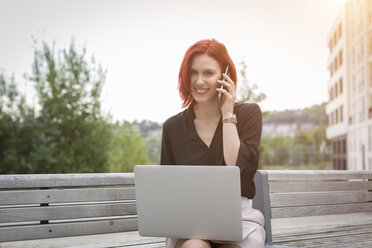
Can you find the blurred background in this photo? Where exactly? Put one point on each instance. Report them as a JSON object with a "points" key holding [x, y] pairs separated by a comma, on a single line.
{"points": [[86, 85]]}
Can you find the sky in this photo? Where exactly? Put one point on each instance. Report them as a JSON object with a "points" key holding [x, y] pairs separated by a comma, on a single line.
{"points": [[141, 43]]}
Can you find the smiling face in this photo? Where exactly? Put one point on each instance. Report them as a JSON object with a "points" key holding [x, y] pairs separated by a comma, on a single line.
{"points": [[205, 71]]}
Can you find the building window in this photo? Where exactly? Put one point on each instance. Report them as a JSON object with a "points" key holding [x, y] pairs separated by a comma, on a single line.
{"points": [[334, 39], [335, 64], [336, 116], [370, 106], [335, 91], [370, 74], [340, 57], [339, 30], [370, 138], [341, 86], [341, 114], [344, 146]]}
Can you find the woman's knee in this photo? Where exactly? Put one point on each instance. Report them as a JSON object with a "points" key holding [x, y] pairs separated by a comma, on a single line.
{"points": [[193, 243]]}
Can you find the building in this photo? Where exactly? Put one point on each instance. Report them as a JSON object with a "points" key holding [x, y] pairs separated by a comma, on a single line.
{"points": [[349, 108]]}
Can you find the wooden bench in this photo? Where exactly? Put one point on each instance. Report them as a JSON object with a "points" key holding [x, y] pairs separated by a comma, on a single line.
{"points": [[316, 208], [65, 205]]}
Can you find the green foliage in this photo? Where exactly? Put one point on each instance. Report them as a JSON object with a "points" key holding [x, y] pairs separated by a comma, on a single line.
{"points": [[154, 150], [72, 134], [127, 148], [145, 126], [15, 129], [315, 114], [306, 148], [69, 133]]}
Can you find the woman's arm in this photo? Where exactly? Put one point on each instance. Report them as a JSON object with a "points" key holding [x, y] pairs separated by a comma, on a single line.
{"points": [[231, 143], [231, 140], [166, 155]]}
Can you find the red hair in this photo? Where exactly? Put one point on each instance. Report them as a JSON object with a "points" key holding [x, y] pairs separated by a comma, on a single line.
{"points": [[212, 48]]}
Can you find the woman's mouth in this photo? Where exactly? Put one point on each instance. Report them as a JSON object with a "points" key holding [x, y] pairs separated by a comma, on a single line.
{"points": [[201, 91]]}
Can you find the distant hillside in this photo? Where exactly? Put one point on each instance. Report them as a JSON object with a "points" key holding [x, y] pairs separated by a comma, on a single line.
{"points": [[313, 115]]}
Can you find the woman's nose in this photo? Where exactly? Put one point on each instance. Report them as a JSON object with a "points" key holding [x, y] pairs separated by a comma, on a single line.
{"points": [[199, 79]]}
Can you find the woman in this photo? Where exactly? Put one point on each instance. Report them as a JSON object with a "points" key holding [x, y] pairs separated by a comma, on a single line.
{"points": [[215, 132]]}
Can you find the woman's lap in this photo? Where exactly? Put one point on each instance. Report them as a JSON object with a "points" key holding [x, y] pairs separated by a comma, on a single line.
{"points": [[250, 216]]}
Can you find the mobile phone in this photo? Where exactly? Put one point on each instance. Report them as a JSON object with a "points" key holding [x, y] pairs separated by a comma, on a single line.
{"points": [[223, 79]]}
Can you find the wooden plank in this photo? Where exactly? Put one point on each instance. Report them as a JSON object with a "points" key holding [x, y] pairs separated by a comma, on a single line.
{"points": [[66, 195], [289, 212], [131, 243], [24, 214], [309, 198], [277, 187], [44, 231], [346, 234], [308, 175], [65, 180]]}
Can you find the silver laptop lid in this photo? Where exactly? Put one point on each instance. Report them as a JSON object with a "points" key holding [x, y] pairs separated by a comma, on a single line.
{"points": [[201, 202]]}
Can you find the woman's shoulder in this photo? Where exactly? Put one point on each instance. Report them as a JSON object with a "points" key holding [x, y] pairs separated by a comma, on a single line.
{"points": [[175, 120], [247, 108]]}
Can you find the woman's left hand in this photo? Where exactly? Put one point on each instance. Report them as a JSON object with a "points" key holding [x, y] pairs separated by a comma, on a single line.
{"points": [[228, 96]]}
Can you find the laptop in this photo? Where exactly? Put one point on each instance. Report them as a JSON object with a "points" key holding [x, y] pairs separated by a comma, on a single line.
{"points": [[201, 202]]}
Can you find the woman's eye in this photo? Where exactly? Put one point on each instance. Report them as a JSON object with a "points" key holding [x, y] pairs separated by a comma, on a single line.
{"points": [[209, 72]]}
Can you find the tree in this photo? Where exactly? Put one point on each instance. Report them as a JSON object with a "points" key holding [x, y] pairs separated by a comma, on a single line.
{"points": [[247, 92], [127, 148], [72, 135], [15, 128]]}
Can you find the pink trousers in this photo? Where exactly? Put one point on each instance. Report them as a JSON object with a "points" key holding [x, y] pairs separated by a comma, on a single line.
{"points": [[251, 217]]}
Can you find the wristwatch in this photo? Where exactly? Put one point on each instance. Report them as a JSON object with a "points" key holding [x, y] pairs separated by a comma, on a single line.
{"points": [[230, 119]]}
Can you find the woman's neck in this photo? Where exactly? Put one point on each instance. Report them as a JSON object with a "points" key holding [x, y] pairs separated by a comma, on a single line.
{"points": [[207, 111]]}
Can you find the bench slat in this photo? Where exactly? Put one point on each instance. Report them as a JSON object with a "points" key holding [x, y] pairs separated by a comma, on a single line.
{"points": [[143, 242], [319, 186], [44, 231], [65, 180], [306, 198], [289, 212], [306, 175], [66, 195], [24, 214]]}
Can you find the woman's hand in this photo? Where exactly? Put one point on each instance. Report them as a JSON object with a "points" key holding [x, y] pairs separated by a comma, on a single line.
{"points": [[229, 93]]}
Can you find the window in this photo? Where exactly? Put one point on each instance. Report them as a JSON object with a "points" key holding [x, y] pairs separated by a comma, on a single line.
{"points": [[335, 64], [370, 138], [344, 147], [339, 30], [336, 121], [340, 57], [334, 39], [361, 81], [370, 42], [341, 114], [340, 85], [336, 90], [370, 106], [370, 74]]}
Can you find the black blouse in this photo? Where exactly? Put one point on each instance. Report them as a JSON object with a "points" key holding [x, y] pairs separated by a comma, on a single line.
{"points": [[181, 144]]}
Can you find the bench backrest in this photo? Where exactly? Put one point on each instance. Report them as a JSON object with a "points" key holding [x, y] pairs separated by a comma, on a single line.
{"points": [[59, 205], [303, 193]]}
